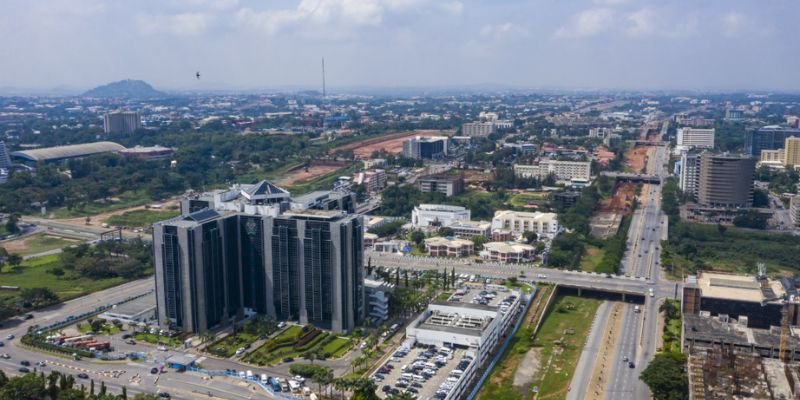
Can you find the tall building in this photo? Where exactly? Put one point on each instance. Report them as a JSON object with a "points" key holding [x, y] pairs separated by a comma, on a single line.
{"points": [[477, 129], [733, 115], [689, 173], [5, 159], [302, 265], [449, 185], [726, 180], [767, 138], [425, 147], [122, 122], [794, 209], [562, 170], [695, 138], [791, 151]]}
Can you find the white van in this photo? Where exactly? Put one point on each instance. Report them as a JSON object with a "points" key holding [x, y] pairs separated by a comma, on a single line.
{"points": [[264, 379], [249, 374], [407, 375]]}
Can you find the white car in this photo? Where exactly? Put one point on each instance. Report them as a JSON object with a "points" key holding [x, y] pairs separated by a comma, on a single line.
{"points": [[10, 337]]}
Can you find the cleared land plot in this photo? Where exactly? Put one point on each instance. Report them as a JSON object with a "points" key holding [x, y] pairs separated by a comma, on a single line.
{"points": [[391, 143], [140, 218], [592, 258], [124, 200], [528, 200], [34, 274], [620, 201], [305, 174], [36, 244], [635, 159]]}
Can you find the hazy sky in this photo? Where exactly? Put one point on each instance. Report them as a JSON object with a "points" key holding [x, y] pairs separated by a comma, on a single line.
{"points": [[240, 44]]}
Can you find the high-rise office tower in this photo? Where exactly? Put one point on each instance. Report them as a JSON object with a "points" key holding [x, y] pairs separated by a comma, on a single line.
{"points": [[304, 265], [425, 147], [726, 180], [791, 151], [767, 138], [121, 122], [5, 159]]}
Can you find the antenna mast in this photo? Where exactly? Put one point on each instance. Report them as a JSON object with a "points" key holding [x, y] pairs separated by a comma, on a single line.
{"points": [[323, 78]]}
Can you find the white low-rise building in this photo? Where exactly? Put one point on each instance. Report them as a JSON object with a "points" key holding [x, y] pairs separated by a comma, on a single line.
{"points": [[449, 247], [509, 252], [561, 170], [439, 215], [543, 224], [469, 229]]}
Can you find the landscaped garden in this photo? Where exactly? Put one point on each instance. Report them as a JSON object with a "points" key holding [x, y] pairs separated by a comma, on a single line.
{"points": [[296, 341]]}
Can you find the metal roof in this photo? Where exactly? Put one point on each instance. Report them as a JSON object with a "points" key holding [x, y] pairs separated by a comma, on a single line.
{"points": [[70, 151]]}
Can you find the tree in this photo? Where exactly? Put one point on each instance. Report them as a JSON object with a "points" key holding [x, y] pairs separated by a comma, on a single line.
{"points": [[666, 376], [11, 224], [478, 241], [445, 231], [417, 237], [26, 387], [206, 336], [38, 297], [97, 325], [14, 260], [529, 236]]}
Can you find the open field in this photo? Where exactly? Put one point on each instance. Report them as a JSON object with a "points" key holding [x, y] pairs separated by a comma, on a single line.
{"points": [[561, 340], [140, 218], [306, 174], [125, 200], [391, 143], [501, 383], [528, 200], [635, 159], [34, 274], [591, 260], [35, 244]]}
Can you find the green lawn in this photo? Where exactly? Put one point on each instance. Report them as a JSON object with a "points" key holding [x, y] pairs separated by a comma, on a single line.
{"points": [[141, 218], [33, 273], [323, 344], [40, 243], [338, 347], [561, 339], [157, 339], [592, 258], [444, 296], [522, 199], [131, 198], [108, 329]]}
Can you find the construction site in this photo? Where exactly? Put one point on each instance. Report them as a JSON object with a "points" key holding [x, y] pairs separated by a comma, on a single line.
{"points": [[608, 216], [741, 336]]}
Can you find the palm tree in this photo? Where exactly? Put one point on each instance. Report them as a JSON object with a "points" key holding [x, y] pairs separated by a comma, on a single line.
{"points": [[207, 336]]}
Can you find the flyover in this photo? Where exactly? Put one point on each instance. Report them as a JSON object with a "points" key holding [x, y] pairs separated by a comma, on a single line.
{"points": [[628, 177]]}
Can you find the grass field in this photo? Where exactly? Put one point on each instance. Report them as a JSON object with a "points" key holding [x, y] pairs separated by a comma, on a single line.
{"points": [[141, 218], [40, 243], [592, 258], [522, 199], [324, 344], [227, 346], [500, 384], [321, 182], [33, 273], [338, 347], [561, 339], [125, 200]]}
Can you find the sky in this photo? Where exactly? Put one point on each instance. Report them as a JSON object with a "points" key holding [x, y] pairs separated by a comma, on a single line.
{"points": [[700, 45]]}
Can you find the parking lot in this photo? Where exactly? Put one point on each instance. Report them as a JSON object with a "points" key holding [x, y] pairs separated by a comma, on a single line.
{"points": [[428, 370]]}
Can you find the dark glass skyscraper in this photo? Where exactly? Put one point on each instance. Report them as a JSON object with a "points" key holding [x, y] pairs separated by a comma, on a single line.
{"points": [[304, 265]]}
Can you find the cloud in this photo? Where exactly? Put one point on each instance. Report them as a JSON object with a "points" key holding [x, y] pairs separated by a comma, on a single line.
{"points": [[587, 23], [504, 31], [643, 23], [185, 24], [611, 2], [733, 24], [340, 15], [209, 4]]}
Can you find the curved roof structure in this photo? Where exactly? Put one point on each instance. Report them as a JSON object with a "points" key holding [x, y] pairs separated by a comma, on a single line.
{"points": [[70, 151]]}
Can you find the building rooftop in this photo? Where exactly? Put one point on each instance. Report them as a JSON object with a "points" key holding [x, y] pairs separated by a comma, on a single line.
{"points": [[739, 287], [440, 207], [145, 150], [314, 214], [447, 241], [69, 151], [508, 247]]}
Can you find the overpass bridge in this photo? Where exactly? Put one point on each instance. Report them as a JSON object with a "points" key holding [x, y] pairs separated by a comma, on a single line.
{"points": [[638, 178]]}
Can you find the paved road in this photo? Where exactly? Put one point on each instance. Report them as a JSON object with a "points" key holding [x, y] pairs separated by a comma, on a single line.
{"points": [[638, 342], [583, 372], [179, 385]]}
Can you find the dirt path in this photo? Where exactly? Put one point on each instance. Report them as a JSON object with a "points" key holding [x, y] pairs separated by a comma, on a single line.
{"points": [[103, 217], [527, 368], [605, 355]]}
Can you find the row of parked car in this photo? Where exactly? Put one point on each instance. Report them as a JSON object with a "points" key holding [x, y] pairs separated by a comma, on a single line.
{"points": [[452, 379]]}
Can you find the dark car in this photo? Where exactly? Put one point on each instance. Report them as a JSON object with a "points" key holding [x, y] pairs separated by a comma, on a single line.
{"points": [[288, 359], [28, 316], [154, 370], [2, 344], [83, 375], [401, 384], [127, 336], [164, 395], [631, 365], [25, 363], [386, 388], [24, 370]]}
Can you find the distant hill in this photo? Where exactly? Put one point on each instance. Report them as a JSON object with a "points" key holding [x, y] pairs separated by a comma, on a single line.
{"points": [[128, 88]]}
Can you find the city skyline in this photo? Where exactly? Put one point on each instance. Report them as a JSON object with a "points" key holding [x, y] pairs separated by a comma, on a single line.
{"points": [[246, 45]]}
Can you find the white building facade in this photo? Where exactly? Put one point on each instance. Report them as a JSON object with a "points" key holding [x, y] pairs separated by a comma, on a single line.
{"points": [[426, 215], [562, 170], [695, 138], [518, 222]]}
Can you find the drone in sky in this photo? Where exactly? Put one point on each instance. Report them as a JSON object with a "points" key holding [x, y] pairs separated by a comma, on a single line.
{"points": [[197, 74]]}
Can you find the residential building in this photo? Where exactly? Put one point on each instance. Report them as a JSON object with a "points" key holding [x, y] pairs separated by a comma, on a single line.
{"points": [[794, 209], [695, 138], [372, 180], [772, 156], [771, 137], [543, 224], [502, 235], [438, 215], [477, 129], [689, 173], [369, 240], [121, 122], [447, 184], [561, 170], [726, 180], [509, 252], [791, 151], [425, 147], [449, 247], [522, 149], [305, 266], [469, 229], [600, 132], [471, 332], [377, 294]]}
